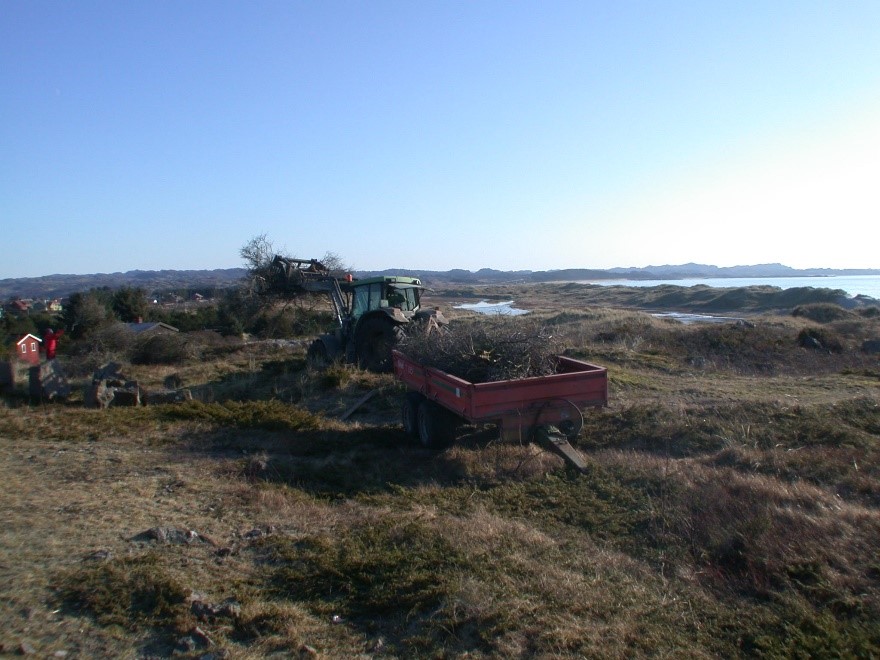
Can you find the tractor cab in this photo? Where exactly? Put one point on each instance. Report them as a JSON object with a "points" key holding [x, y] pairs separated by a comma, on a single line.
{"points": [[394, 295]]}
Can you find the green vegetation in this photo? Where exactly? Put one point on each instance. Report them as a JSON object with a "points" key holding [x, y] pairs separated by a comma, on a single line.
{"points": [[731, 507]]}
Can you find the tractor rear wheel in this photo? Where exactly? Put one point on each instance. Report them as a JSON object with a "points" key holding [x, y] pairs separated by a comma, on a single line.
{"points": [[436, 426], [375, 338]]}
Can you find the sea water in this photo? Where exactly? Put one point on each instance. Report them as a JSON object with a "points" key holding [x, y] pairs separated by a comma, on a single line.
{"points": [[854, 285], [502, 308]]}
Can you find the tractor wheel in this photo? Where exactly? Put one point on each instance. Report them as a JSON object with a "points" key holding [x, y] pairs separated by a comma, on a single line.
{"points": [[435, 425], [323, 352], [374, 341], [317, 357], [409, 413]]}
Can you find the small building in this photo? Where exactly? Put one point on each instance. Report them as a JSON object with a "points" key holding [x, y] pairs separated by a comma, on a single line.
{"points": [[27, 349], [18, 307], [154, 327]]}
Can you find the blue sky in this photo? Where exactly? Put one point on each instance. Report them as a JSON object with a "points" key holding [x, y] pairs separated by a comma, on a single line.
{"points": [[438, 135]]}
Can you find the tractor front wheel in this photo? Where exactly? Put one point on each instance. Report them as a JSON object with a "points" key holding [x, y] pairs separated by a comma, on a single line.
{"points": [[317, 357], [323, 352], [375, 339]]}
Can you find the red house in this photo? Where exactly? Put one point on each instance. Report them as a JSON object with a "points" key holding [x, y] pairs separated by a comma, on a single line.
{"points": [[28, 349]]}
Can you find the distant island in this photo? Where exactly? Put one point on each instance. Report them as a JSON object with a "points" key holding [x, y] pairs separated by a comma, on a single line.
{"points": [[60, 285]]}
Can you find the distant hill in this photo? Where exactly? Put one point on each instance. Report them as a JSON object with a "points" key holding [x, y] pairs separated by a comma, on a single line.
{"points": [[59, 286], [687, 271]]}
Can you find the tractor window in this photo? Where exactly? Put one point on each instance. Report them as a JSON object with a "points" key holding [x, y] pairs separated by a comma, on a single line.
{"points": [[366, 298], [361, 301], [406, 300]]}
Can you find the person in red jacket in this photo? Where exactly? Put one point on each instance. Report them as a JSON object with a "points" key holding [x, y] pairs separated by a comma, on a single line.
{"points": [[50, 342]]}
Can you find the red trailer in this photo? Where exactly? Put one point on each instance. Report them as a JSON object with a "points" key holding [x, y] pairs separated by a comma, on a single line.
{"points": [[545, 408]]}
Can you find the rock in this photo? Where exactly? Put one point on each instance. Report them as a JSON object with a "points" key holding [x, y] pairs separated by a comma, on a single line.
{"points": [[98, 555], [173, 382], [158, 398], [98, 395], [201, 636], [257, 533], [48, 382], [257, 468], [229, 609], [110, 371], [186, 645], [169, 535], [111, 387], [194, 640], [127, 395], [112, 391], [26, 648]]}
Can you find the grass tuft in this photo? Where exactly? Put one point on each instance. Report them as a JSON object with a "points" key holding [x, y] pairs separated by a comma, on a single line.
{"points": [[126, 591], [267, 415]]}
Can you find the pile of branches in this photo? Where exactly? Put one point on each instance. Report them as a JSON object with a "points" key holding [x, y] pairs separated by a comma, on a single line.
{"points": [[487, 350]]}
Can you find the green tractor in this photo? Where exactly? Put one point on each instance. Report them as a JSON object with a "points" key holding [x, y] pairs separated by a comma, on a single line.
{"points": [[372, 314]]}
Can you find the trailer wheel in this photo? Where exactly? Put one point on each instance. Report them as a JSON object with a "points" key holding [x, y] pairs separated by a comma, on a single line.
{"points": [[435, 426], [409, 413]]}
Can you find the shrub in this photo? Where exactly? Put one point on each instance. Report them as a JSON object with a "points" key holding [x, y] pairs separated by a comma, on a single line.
{"points": [[105, 344], [822, 312], [821, 339], [162, 349]]}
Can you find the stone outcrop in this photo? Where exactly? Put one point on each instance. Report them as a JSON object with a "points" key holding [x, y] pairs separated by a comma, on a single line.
{"points": [[110, 387], [47, 382], [167, 396]]}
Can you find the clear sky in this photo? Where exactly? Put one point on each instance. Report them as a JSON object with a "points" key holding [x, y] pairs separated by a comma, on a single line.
{"points": [[437, 135]]}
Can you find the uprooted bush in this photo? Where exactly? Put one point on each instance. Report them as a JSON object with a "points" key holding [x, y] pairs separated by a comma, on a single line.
{"points": [[488, 349]]}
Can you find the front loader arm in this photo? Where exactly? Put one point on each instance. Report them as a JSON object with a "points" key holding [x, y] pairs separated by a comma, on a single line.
{"points": [[293, 277]]}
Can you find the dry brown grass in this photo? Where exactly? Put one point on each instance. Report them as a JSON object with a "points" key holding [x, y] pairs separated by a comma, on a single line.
{"points": [[729, 510]]}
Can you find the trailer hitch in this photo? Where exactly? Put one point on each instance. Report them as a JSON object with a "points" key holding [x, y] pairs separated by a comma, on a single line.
{"points": [[557, 442]]}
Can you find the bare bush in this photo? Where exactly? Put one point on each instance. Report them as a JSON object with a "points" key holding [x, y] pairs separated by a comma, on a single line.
{"points": [[162, 349], [489, 349]]}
